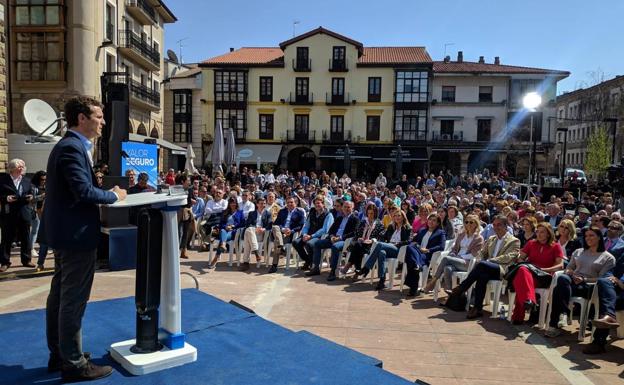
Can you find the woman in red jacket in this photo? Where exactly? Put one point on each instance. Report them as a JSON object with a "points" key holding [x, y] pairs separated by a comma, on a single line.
{"points": [[544, 254]]}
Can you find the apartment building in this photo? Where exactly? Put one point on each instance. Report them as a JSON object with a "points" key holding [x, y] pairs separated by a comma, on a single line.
{"points": [[304, 104], [61, 48], [478, 120], [580, 113]]}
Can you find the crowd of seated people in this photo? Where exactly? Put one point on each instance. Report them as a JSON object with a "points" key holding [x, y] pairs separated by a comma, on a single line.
{"points": [[478, 224]]}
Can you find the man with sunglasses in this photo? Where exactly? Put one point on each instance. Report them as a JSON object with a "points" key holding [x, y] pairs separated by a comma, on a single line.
{"points": [[613, 241]]}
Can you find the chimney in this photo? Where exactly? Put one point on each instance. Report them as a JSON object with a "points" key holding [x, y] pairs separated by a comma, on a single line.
{"points": [[231, 49], [497, 60], [460, 56], [447, 59], [481, 60]]}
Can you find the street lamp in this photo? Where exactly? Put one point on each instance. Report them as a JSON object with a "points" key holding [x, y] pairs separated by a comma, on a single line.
{"points": [[613, 122], [564, 153], [531, 101]]}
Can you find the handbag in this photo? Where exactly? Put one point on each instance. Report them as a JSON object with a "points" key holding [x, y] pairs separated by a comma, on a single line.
{"points": [[456, 302], [542, 278]]}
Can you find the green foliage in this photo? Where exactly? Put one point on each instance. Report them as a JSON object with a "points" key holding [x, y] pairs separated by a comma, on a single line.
{"points": [[598, 152]]}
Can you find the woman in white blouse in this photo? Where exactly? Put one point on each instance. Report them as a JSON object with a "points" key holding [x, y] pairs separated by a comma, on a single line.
{"points": [[466, 247]]}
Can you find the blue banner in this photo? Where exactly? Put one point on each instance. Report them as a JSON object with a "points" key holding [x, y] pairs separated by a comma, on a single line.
{"points": [[140, 157]]}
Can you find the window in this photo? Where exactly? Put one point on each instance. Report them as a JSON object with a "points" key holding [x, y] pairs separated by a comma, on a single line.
{"points": [[410, 125], [412, 86], [182, 116], [303, 61], [485, 94], [38, 12], [448, 93], [156, 47], [302, 89], [484, 130], [232, 119], [110, 63], [337, 128], [339, 62], [155, 85], [372, 127], [109, 22], [266, 126], [338, 90], [230, 86], [446, 129], [40, 56], [266, 88], [374, 89], [302, 124]]}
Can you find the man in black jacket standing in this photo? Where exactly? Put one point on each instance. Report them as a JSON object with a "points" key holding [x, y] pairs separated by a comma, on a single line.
{"points": [[16, 192]]}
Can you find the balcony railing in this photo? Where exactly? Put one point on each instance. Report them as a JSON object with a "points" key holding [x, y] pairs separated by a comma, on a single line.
{"points": [[410, 136], [144, 93], [300, 136], [455, 136], [338, 65], [297, 99], [141, 10], [337, 136], [129, 39], [337, 100], [302, 65]]}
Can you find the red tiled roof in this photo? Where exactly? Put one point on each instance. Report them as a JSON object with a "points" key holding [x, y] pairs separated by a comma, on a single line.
{"points": [[249, 55], [472, 67], [392, 55]]}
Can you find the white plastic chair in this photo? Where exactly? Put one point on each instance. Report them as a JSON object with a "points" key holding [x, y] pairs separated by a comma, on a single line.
{"points": [[494, 290], [290, 250], [343, 254], [235, 246], [456, 278], [367, 256], [544, 294], [392, 264], [449, 245]]}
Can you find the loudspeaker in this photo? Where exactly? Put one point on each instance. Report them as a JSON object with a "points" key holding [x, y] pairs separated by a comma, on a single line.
{"points": [[115, 97]]}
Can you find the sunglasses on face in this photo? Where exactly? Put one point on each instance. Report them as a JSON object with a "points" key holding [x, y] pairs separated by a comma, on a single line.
{"points": [[470, 223], [614, 228]]}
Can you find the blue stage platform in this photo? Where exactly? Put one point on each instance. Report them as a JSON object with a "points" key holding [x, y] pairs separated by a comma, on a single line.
{"points": [[234, 347]]}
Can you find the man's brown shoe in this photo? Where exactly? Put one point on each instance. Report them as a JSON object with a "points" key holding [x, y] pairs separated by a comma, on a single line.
{"points": [[4, 268], [88, 372], [474, 313], [29, 264], [606, 322]]}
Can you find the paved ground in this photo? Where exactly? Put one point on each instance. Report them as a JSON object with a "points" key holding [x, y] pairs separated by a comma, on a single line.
{"points": [[415, 338]]}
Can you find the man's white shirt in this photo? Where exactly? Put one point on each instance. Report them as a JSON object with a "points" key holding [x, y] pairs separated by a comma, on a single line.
{"points": [[215, 207]]}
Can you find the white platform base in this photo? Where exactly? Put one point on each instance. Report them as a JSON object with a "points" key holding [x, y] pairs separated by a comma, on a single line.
{"points": [[138, 364]]}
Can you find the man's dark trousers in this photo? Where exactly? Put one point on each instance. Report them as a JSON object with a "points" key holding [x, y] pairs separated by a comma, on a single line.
{"points": [[482, 273]]}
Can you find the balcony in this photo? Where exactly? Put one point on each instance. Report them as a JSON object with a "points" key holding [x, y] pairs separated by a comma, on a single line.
{"points": [[138, 50], [141, 11], [299, 65], [299, 136], [143, 96], [410, 136], [337, 100], [455, 136], [338, 65], [301, 100], [336, 136]]}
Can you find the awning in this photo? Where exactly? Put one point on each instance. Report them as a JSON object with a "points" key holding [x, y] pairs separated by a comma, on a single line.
{"points": [[174, 148], [249, 153], [338, 152], [409, 153]]}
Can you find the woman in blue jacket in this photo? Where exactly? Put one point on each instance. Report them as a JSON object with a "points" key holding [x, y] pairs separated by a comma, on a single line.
{"points": [[427, 241], [232, 219]]}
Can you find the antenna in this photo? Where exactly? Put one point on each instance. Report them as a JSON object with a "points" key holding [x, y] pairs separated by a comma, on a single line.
{"points": [[294, 23], [180, 45], [447, 45], [40, 116]]}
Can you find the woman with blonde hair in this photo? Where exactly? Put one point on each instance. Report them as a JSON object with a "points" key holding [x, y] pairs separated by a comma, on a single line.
{"points": [[466, 247], [566, 232], [421, 220]]}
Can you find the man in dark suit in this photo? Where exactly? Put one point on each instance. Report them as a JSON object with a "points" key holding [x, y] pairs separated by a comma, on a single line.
{"points": [[289, 220], [16, 192], [554, 215], [258, 222], [344, 227], [72, 222]]}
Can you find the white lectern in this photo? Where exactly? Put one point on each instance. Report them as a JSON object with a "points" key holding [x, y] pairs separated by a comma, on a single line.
{"points": [[176, 351]]}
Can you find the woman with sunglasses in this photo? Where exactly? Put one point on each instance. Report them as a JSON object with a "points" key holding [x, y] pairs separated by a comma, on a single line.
{"points": [[231, 220], [566, 232], [370, 228], [466, 247], [397, 235], [542, 254]]}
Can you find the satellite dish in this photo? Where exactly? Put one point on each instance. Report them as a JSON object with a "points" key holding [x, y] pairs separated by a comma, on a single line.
{"points": [[172, 56], [40, 116]]}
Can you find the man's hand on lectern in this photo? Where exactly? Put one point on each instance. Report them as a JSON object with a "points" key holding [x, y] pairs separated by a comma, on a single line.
{"points": [[121, 193]]}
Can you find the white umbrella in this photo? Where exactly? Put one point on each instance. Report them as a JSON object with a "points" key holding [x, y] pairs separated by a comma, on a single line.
{"points": [[190, 156], [230, 149], [217, 149]]}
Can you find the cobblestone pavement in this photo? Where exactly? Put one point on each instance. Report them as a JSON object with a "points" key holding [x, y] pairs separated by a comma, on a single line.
{"points": [[415, 338]]}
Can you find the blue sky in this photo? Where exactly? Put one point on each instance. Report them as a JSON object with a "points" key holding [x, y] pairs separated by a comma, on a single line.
{"points": [[582, 37]]}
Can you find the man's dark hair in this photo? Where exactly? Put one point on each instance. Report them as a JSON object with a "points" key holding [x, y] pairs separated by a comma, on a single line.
{"points": [[143, 177], [79, 105]]}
